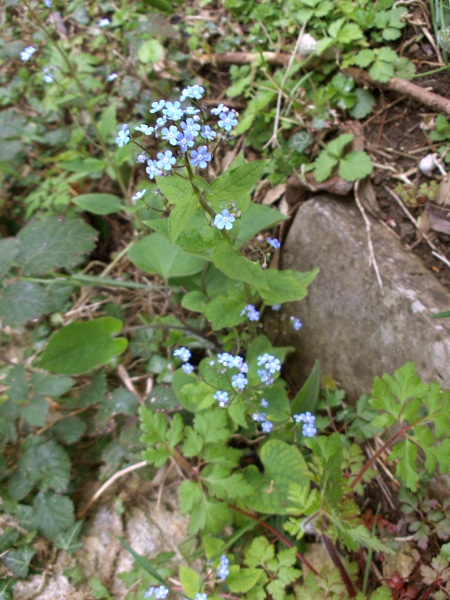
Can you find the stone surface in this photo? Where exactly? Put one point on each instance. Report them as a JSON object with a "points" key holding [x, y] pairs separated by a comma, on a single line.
{"points": [[356, 332]]}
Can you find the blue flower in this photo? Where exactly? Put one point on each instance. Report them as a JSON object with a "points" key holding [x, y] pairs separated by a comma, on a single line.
{"points": [[157, 592], [271, 363], [142, 157], [208, 133], [274, 243], [227, 120], [259, 417], [48, 75], [169, 134], [223, 571], [173, 111], [192, 91], [27, 53], [157, 106], [265, 377], [264, 403], [225, 359], [296, 323], [146, 129], [220, 109], [239, 381], [200, 597], [224, 220], [48, 3], [153, 170], [276, 307], [191, 110], [187, 368], [138, 195], [222, 398], [183, 353], [200, 157], [306, 417], [104, 22], [112, 76], [309, 430], [190, 126], [123, 137], [185, 140], [266, 426], [166, 160], [251, 312]]}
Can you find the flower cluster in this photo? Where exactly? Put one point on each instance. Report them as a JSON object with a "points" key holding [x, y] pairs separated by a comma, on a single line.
{"points": [[296, 323], [308, 421], [251, 312], [184, 354], [159, 593], [223, 571], [261, 417], [222, 398], [271, 366], [48, 75], [27, 53]]}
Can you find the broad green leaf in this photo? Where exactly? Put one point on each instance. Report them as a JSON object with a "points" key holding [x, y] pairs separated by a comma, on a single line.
{"points": [[24, 300], [54, 243], [242, 580], [283, 465], [224, 312], [190, 580], [337, 146], [254, 108], [323, 166], [180, 215], [19, 561], [52, 514], [108, 122], [355, 165], [286, 286], [175, 188], [308, 396], [99, 204], [79, 347], [153, 254], [231, 262], [69, 430], [235, 185], [151, 51], [9, 248], [195, 301], [257, 218]]}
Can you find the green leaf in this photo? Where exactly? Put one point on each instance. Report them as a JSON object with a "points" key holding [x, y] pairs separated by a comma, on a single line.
{"points": [[79, 347], [35, 412], [241, 580], [154, 254], [7, 585], [364, 104], [254, 109], [235, 185], [145, 564], [52, 514], [175, 189], [235, 265], [24, 300], [54, 243], [257, 218], [308, 396], [180, 215], [49, 465], [190, 580], [99, 204], [323, 166], [283, 465], [19, 561], [224, 312], [53, 385], [355, 165], [286, 286], [364, 58], [68, 540], [381, 71], [195, 301], [151, 51], [9, 249]]}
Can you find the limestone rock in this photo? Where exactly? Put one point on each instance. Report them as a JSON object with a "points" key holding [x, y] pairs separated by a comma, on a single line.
{"points": [[356, 332]]}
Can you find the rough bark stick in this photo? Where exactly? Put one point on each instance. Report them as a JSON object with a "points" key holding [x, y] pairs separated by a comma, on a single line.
{"points": [[434, 101]]}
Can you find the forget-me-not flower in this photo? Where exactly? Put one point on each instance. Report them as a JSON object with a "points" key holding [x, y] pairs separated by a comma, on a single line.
{"points": [[187, 368], [27, 53], [222, 398], [123, 137], [157, 106], [220, 109], [208, 133], [190, 126], [169, 134], [159, 593], [138, 195], [251, 312], [200, 157], [192, 91], [48, 75], [153, 170], [223, 571], [227, 120], [112, 76], [239, 381], [145, 129], [183, 353], [173, 111], [104, 22], [165, 160], [296, 323], [185, 140], [274, 243], [224, 220]]}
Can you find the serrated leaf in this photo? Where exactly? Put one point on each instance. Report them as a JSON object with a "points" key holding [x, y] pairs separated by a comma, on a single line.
{"points": [[43, 245], [381, 71], [231, 262], [35, 413], [364, 104], [50, 465], [243, 580], [79, 347], [99, 204], [355, 165], [364, 58], [24, 300], [19, 561], [154, 254], [53, 385], [52, 514], [190, 580], [323, 166], [151, 51], [180, 216]]}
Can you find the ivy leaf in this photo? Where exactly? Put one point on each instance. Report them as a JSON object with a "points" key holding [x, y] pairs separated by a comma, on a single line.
{"points": [[19, 561], [355, 165], [44, 247], [68, 540], [7, 585], [52, 514]]}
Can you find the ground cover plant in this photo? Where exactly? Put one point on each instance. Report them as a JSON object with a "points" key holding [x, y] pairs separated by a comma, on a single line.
{"points": [[137, 270]]}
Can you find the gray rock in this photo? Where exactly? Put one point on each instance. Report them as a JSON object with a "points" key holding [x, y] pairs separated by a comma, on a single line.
{"points": [[356, 332]]}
